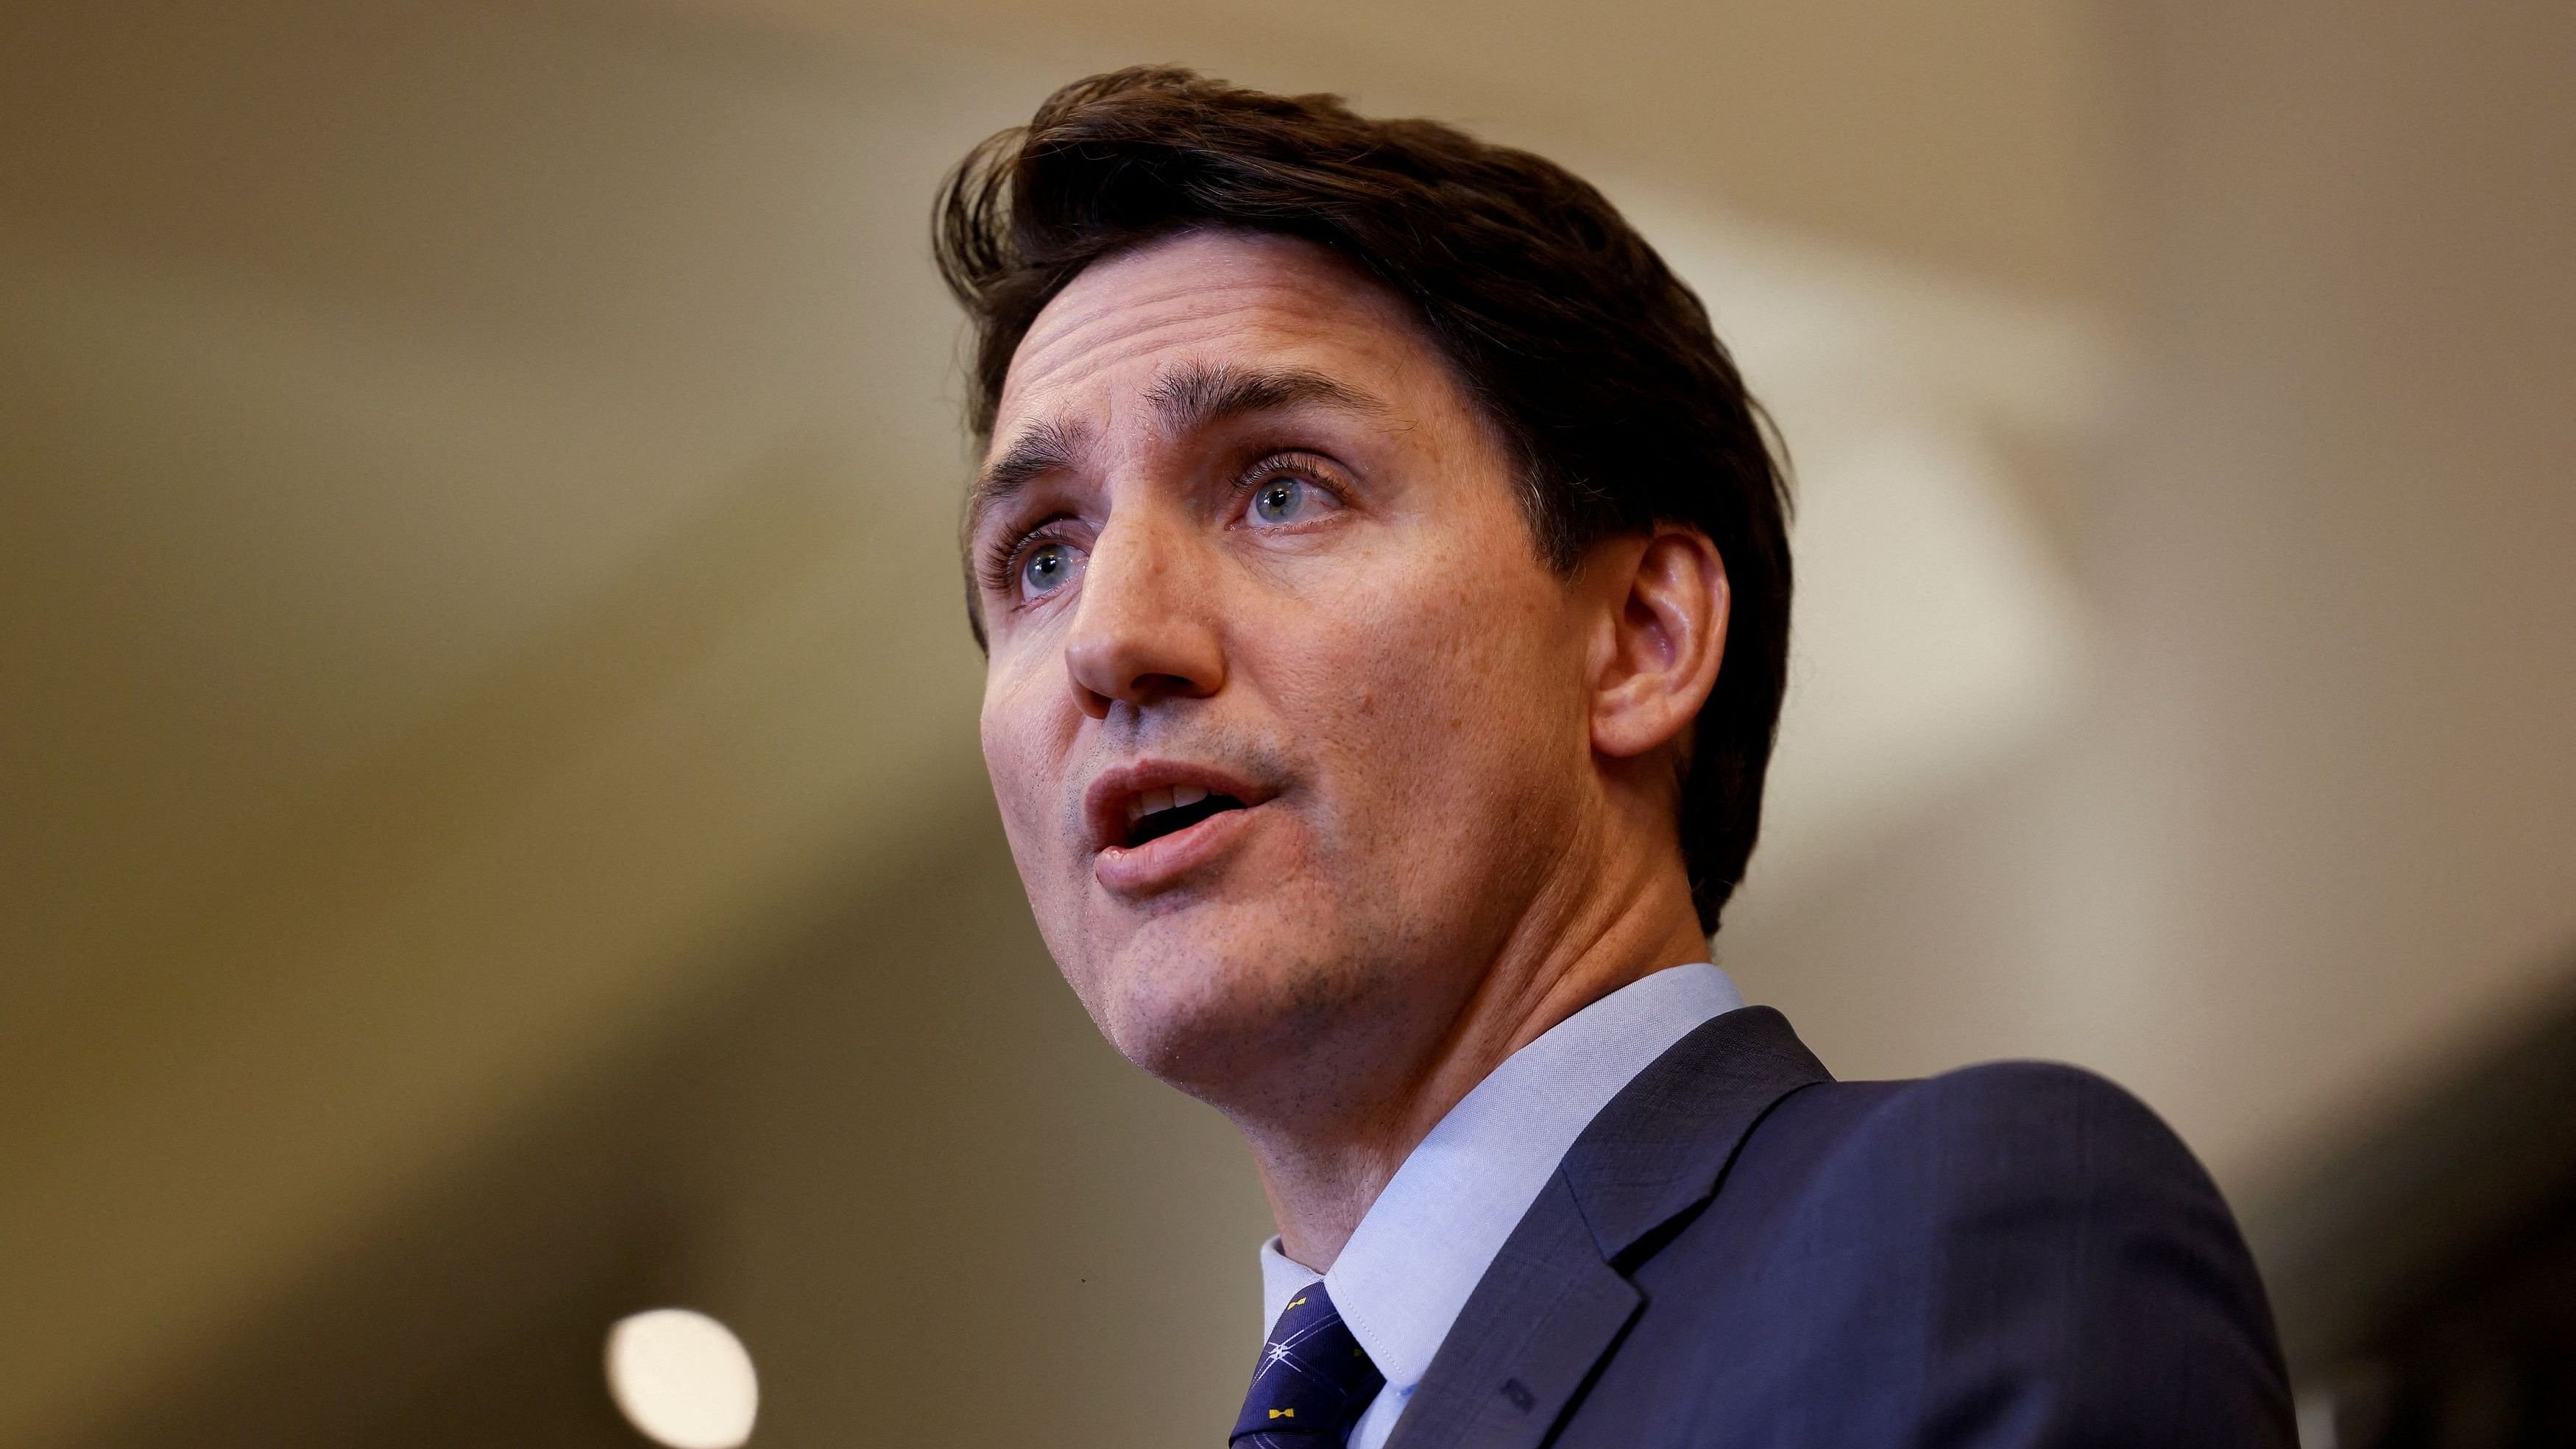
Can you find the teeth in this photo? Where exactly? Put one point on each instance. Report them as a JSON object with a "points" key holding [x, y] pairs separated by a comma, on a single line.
{"points": [[1147, 802]]}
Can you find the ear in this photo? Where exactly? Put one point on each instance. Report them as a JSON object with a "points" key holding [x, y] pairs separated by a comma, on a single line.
{"points": [[1665, 631]]}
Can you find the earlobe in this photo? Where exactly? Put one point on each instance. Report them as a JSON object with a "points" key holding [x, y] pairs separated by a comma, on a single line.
{"points": [[1668, 636]]}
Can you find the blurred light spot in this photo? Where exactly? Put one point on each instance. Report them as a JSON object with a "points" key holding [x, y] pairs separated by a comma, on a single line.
{"points": [[682, 1379]]}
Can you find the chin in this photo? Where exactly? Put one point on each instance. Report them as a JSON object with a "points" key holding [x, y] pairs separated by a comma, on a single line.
{"points": [[1211, 1005]]}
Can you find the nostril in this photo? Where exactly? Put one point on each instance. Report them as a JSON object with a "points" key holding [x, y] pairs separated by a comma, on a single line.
{"points": [[1092, 701], [1147, 688]]}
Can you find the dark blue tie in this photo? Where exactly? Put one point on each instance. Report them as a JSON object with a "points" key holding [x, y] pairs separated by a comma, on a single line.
{"points": [[1312, 1382]]}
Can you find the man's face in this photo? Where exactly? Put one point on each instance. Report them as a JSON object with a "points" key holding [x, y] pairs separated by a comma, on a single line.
{"points": [[1285, 716]]}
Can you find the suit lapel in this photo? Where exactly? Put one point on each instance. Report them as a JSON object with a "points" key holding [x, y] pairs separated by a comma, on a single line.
{"points": [[1542, 1316], [1557, 1296]]}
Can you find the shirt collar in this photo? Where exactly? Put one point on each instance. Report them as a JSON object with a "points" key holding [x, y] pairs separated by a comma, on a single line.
{"points": [[1428, 1239]]}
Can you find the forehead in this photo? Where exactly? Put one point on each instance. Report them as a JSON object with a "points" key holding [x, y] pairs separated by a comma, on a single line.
{"points": [[1206, 298]]}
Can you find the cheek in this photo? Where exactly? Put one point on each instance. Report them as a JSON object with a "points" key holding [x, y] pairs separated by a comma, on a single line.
{"points": [[1450, 682], [1026, 747], [1021, 757]]}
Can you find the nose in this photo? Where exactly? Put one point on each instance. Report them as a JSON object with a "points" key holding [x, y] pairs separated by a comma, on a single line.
{"points": [[1143, 629]]}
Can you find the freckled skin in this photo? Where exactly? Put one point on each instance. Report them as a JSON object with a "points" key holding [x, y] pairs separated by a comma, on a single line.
{"points": [[1472, 834]]}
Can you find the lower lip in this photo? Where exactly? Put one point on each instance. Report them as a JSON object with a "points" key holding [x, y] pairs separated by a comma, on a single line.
{"points": [[1165, 860]]}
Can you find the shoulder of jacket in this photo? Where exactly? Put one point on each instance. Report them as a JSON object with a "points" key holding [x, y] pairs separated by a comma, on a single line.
{"points": [[1990, 1126]]}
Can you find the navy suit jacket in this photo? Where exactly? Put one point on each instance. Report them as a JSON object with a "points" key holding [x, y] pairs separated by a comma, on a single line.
{"points": [[1741, 1251]]}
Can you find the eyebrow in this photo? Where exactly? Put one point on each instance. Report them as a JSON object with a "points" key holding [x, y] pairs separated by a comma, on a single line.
{"points": [[1200, 395], [1185, 399], [1043, 447]]}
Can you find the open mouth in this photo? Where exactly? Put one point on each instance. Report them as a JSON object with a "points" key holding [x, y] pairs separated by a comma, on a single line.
{"points": [[1153, 814]]}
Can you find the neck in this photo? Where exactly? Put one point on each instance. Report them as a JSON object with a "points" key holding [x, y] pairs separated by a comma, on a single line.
{"points": [[1325, 1163]]}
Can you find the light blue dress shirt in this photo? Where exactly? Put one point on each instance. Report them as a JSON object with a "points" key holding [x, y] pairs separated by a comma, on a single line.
{"points": [[1427, 1240]]}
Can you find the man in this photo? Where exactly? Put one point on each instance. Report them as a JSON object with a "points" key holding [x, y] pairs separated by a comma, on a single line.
{"points": [[1385, 590]]}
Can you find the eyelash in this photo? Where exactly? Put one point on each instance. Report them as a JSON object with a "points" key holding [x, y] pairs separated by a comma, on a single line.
{"points": [[1294, 464], [998, 570]]}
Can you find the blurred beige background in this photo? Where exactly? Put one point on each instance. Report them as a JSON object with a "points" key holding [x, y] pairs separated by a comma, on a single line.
{"points": [[492, 831]]}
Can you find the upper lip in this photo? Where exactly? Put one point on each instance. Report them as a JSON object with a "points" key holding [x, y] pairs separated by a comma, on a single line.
{"points": [[1104, 804]]}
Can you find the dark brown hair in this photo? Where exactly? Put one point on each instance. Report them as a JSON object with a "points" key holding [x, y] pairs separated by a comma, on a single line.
{"points": [[1595, 361]]}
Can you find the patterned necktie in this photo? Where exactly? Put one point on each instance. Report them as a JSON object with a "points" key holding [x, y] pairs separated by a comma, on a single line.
{"points": [[1312, 1382]]}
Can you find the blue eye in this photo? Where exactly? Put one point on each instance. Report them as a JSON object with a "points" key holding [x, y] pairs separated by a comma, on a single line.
{"points": [[1046, 568], [1282, 500]]}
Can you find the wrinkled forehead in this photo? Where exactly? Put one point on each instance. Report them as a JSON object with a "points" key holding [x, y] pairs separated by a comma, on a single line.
{"points": [[1200, 300]]}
